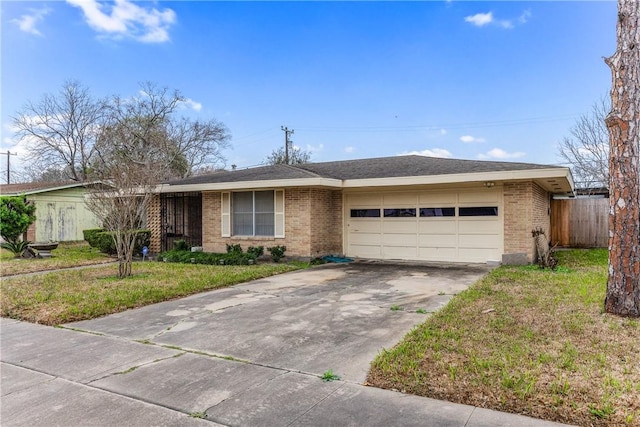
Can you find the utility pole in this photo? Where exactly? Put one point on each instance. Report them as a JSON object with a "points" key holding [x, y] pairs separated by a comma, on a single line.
{"points": [[9, 154], [287, 141]]}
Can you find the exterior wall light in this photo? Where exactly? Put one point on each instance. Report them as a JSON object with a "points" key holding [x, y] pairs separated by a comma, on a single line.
{"points": [[489, 184]]}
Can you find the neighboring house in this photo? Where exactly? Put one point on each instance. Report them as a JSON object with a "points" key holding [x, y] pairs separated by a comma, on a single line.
{"points": [[61, 213], [404, 207]]}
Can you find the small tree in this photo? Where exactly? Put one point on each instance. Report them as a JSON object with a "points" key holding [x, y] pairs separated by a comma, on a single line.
{"points": [[587, 149], [16, 215], [297, 156]]}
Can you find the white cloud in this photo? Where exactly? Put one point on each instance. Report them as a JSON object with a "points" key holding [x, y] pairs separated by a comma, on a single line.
{"points": [[436, 152], [28, 22], [480, 19], [468, 139], [190, 103], [498, 153], [524, 17], [126, 19], [349, 149]]}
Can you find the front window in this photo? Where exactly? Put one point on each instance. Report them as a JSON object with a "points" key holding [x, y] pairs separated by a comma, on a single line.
{"points": [[253, 213]]}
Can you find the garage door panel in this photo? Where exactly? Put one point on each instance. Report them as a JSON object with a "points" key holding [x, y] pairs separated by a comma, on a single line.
{"points": [[482, 196], [400, 239], [438, 240], [448, 198], [437, 226], [481, 226], [367, 200], [365, 251], [365, 226], [399, 200], [478, 241], [400, 226], [366, 239], [399, 252], [438, 254]]}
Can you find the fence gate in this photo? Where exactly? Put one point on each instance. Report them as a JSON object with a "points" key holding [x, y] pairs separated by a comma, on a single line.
{"points": [[580, 223]]}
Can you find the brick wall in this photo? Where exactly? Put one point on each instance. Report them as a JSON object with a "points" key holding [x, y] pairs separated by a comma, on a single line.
{"points": [[313, 224], [526, 206]]}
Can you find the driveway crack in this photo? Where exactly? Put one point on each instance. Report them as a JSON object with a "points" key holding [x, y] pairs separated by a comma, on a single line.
{"points": [[314, 405]]}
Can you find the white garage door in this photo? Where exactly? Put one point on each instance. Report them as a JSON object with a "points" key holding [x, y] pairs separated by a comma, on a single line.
{"points": [[460, 226]]}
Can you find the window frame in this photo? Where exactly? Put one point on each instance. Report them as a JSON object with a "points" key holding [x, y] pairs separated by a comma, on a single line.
{"points": [[232, 229]]}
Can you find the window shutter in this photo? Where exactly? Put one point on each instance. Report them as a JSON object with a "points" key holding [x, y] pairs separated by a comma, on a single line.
{"points": [[279, 213], [225, 214]]}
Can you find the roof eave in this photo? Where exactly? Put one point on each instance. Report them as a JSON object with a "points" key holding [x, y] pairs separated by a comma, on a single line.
{"points": [[245, 185]]}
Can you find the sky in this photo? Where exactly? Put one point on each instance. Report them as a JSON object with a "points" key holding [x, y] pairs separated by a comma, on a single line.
{"points": [[462, 79]]}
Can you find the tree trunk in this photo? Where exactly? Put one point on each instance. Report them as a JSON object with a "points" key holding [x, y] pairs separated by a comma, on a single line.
{"points": [[623, 122]]}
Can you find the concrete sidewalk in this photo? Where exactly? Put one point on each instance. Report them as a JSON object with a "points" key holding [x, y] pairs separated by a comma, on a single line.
{"points": [[249, 355], [54, 376]]}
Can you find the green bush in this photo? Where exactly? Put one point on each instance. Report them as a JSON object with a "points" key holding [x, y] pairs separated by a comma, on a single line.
{"points": [[234, 249], [188, 257], [16, 215], [106, 244], [91, 236], [257, 251], [277, 252], [181, 245]]}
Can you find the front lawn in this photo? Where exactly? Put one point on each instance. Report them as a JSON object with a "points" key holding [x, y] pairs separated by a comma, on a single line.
{"points": [[526, 341], [71, 254], [67, 296]]}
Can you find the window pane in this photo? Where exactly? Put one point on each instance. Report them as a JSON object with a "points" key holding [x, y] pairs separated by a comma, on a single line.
{"points": [[437, 211], [365, 213], [243, 224], [400, 212], [242, 213], [479, 211], [264, 224], [264, 201]]}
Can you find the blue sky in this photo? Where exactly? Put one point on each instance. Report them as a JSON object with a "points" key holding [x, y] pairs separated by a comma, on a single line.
{"points": [[473, 80]]}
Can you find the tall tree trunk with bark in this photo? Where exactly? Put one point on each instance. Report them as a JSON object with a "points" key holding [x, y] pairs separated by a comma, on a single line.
{"points": [[623, 123]]}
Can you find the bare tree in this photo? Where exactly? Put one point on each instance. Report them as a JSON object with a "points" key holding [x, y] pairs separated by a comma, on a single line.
{"points": [[60, 130], [623, 122], [136, 150], [296, 156], [587, 149]]}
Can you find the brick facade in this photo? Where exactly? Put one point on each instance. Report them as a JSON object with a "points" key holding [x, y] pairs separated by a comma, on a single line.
{"points": [[526, 207], [313, 224]]}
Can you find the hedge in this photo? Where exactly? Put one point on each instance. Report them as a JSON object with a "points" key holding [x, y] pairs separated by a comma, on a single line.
{"points": [[103, 240]]}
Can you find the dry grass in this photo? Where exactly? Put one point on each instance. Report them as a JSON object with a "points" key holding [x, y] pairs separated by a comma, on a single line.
{"points": [[66, 296], [71, 254], [527, 341]]}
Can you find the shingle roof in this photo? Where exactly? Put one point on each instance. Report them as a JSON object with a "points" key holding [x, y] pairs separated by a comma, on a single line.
{"points": [[381, 167], [31, 187]]}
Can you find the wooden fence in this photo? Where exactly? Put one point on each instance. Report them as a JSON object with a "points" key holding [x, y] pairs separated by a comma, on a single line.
{"points": [[580, 223]]}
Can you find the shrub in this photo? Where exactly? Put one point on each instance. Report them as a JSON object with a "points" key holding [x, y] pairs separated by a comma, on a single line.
{"points": [[181, 245], [277, 252], [16, 215], [234, 249], [106, 244], [188, 257], [91, 236], [256, 251]]}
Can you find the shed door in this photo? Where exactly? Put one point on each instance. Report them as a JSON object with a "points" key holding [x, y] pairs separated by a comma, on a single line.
{"points": [[458, 226]]}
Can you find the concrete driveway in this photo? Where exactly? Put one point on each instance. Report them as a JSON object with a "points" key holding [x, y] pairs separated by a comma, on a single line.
{"points": [[333, 317], [247, 355]]}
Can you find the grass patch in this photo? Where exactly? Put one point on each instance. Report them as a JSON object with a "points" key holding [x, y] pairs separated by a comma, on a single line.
{"points": [[67, 296], [546, 350], [68, 254]]}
